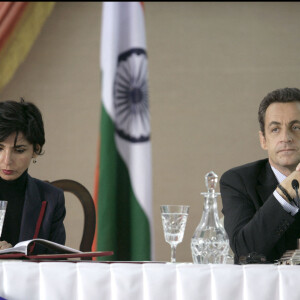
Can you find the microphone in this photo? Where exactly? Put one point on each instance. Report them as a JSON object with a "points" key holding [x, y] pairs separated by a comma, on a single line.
{"points": [[295, 186]]}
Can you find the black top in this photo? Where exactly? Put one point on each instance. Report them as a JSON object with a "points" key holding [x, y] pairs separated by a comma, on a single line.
{"points": [[14, 192]]}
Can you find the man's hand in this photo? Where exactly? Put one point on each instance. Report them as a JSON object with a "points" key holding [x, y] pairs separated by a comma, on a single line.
{"points": [[4, 245], [287, 183]]}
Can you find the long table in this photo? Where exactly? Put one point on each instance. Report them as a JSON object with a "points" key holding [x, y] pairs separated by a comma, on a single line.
{"points": [[139, 281]]}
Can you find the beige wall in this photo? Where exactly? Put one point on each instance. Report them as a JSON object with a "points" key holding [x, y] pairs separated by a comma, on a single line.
{"points": [[210, 64]]}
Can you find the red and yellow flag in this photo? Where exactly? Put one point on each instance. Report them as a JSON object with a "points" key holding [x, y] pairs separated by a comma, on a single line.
{"points": [[20, 24]]}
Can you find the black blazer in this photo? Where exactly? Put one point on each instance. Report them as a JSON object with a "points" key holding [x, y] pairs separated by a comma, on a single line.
{"points": [[253, 219], [52, 227]]}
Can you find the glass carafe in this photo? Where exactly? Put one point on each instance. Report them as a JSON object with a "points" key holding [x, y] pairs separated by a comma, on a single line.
{"points": [[210, 243]]}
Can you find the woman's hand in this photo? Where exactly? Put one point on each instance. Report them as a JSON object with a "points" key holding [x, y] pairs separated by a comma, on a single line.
{"points": [[4, 245]]}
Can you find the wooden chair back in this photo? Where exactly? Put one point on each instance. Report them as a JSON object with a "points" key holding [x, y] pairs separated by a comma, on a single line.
{"points": [[88, 206]]}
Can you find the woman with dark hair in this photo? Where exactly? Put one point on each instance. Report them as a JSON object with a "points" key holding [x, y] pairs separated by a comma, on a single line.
{"points": [[35, 209]]}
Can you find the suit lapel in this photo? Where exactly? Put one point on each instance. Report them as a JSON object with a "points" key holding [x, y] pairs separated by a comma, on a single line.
{"points": [[31, 210], [267, 182]]}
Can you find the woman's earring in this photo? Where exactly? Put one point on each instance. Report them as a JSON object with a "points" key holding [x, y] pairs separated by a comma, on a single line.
{"points": [[34, 160]]}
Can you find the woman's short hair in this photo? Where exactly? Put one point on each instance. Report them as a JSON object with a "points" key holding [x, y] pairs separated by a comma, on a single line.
{"points": [[283, 95], [24, 117]]}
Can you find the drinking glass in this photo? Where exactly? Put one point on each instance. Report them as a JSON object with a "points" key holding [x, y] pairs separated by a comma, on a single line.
{"points": [[174, 219], [3, 205]]}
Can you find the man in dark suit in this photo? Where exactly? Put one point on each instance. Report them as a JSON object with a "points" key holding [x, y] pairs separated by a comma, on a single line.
{"points": [[259, 203]]}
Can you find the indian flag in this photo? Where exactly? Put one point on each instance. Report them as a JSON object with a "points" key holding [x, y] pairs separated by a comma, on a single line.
{"points": [[123, 193]]}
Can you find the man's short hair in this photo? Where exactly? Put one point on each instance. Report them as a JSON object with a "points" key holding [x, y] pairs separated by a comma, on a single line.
{"points": [[284, 95]]}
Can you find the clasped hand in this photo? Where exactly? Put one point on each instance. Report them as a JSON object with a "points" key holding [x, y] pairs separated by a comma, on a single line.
{"points": [[287, 182], [4, 245]]}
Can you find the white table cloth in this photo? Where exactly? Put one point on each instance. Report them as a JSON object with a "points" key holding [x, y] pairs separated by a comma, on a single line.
{"points": [[119, 281]]}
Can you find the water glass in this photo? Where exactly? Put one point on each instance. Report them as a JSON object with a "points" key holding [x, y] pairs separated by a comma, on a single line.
{"points": [[3, 205], [174, 219]]}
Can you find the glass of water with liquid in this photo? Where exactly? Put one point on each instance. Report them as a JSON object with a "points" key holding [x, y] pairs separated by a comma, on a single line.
{"points": [[3, 205], [174, 219]]}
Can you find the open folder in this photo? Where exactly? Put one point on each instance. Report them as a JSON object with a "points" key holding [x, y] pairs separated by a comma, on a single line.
{"points": [[23, 250]]}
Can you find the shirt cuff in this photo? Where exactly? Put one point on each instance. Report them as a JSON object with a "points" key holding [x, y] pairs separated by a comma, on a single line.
{"points": [[286, 206]]}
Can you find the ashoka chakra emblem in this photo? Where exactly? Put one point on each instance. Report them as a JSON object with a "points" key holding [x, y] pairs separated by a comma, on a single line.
{"points": [[132, 118]]}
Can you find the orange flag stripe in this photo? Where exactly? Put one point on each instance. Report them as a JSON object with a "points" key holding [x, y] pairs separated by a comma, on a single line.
{"points": [[4, 7], [10, 16]]}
